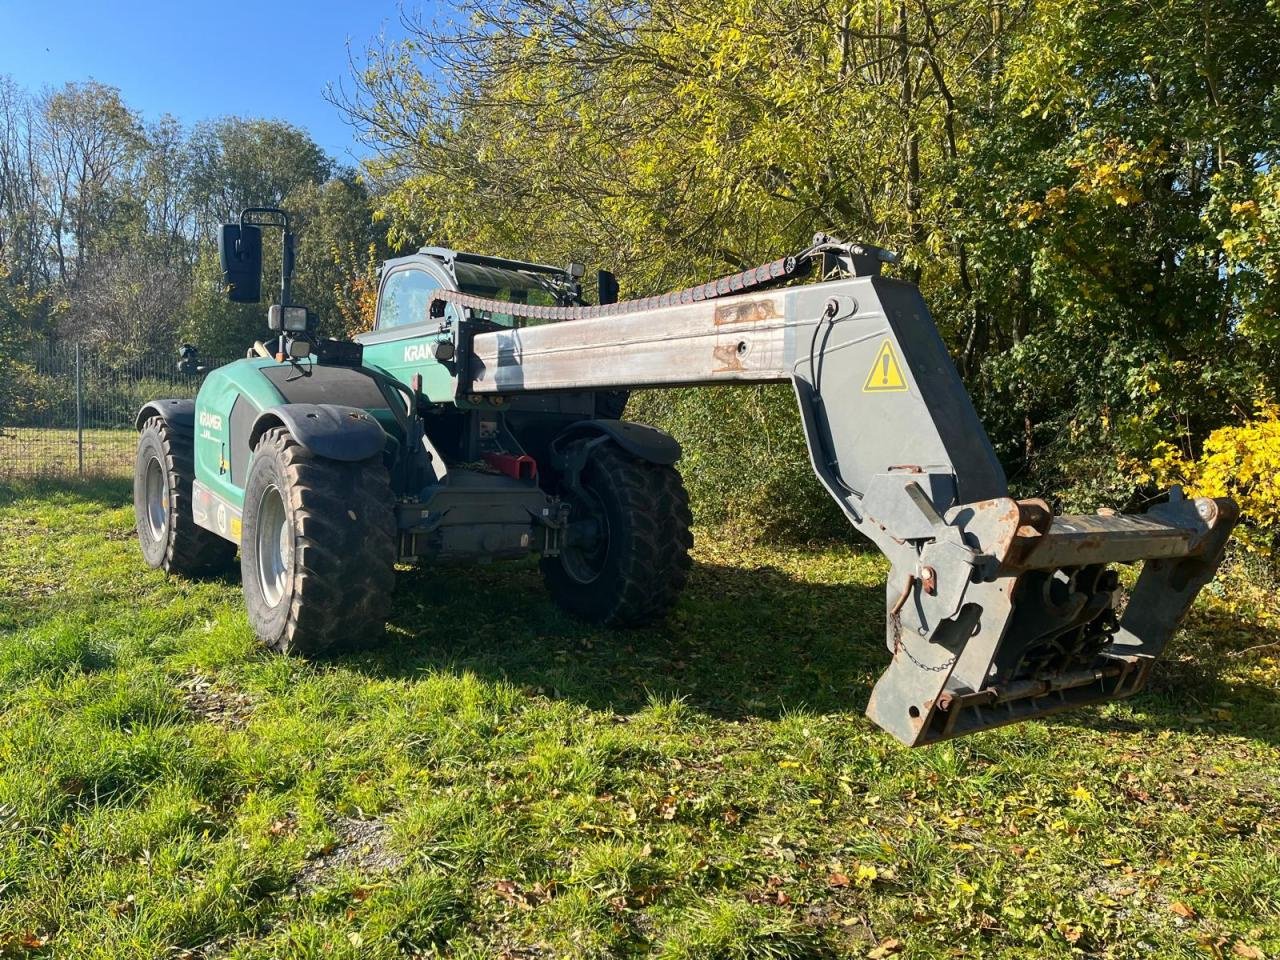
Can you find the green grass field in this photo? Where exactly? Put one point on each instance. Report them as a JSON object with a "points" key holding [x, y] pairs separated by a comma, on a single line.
{"points": [[496, 781]]}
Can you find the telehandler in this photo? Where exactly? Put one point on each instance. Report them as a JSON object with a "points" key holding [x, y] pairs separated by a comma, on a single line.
{"points": [[481, 419]]}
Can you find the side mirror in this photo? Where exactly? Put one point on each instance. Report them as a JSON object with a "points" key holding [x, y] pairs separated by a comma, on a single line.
{"points": [[240, 250], [189, 360], [299, 348], [606, 287]]}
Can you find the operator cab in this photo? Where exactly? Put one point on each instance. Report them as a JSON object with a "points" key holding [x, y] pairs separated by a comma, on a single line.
{"points": [[407, 283]]}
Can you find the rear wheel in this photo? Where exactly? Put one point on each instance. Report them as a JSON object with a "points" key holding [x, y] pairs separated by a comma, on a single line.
{"points": [[167, 533], [625, 558], [317, 549]]}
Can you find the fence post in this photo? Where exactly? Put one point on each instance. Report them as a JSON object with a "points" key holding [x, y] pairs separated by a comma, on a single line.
{"points": [[79, 417]]}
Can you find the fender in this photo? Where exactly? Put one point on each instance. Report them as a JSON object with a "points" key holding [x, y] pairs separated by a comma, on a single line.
{"points": [[326, 429], [180, 413], [641, 441]]}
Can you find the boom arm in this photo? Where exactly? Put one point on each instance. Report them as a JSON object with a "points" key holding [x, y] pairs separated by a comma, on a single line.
{"points": [[997, 610]]}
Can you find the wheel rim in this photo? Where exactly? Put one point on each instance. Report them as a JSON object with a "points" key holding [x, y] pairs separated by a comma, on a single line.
{"points": [[275, 546], [584, 561], [157, 499]]}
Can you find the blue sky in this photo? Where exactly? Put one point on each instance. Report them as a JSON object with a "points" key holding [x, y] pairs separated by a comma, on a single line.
{"points": [[190, 59]]}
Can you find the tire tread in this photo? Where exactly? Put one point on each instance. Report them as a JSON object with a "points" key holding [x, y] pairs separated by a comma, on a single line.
{"points": [[345, 553]]}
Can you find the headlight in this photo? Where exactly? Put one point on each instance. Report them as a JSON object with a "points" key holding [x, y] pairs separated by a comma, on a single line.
{"points": [[292, 319]]}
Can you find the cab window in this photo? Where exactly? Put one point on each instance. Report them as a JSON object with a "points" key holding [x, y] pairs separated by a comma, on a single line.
{"points": [[510, 286], [405, 298]]}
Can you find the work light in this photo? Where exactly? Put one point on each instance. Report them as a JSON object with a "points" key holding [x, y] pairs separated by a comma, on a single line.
{"points": [[292, 319]]}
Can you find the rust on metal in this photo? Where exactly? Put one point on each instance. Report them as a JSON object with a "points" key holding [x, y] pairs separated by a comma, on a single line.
{"points": [[895, 612], [728, 357], [1035, 517], [765, 275], [747, 311], [929, 581]]}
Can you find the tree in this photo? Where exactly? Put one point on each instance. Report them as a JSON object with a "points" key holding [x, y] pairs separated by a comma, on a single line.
{"points": [[1084, 192], [1106, 188], [337, 239], [240, 163], [22, 228], [86, 140], [127, 302], [169, 206]]}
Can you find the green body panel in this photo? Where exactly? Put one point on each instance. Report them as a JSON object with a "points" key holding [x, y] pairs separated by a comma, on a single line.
{"points": [[217, 394], [412, 352], [217, 397]]}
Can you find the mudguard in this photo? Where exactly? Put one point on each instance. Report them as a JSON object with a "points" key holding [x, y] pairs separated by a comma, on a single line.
{"points": [[181, 413], [326, 429], [641, 441]]}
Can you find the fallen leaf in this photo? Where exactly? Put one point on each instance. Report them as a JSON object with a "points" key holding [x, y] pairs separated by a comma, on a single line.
{"points": [[838, 879], [887, 948], [1182, 910], [508, 891], [1244, 950]]}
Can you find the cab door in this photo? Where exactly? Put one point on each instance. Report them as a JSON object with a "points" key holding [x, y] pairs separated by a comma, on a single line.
{"points": [[405, 335]]}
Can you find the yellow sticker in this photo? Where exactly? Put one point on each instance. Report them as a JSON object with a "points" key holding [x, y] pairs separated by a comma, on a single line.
{"points": [[886, 374], [235, 528]]}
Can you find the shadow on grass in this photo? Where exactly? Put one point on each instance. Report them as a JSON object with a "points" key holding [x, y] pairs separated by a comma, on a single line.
{"points": [[743, 642], [110, 492], [1192, 695]]}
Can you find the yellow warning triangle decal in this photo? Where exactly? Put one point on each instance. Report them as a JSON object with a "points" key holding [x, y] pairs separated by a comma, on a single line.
{"points": [[886, 374]]}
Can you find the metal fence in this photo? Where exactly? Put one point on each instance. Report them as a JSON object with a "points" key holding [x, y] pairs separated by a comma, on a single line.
{"points": [[68, 410]]}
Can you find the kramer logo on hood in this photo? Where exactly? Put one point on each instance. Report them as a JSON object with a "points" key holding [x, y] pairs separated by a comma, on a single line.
{"points": [[419, 351], [211, 420]]}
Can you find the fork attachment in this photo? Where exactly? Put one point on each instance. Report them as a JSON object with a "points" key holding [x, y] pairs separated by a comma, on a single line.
{"points": [[998, 611], [1018, 615]]}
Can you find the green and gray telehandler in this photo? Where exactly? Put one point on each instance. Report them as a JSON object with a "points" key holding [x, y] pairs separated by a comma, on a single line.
{"points": [[481, 419]]}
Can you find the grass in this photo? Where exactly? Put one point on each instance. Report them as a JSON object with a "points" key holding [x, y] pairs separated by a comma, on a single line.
{"points": [[497, 781], [30, 452]]}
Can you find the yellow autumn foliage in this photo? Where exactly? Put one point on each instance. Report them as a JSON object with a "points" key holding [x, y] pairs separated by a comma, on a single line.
{"points": [[1241, 461]]}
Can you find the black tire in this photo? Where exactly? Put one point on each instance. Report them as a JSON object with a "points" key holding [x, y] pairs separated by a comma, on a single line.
{"points": [[328, 585], [634, 572], [162, 476]]}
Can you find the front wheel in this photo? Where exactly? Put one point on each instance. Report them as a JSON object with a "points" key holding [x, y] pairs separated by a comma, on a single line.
{"points": [[625, 557], [162, 478], [317, 548]]}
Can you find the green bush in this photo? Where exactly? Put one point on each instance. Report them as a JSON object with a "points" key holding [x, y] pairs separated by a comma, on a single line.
{"points": [[29, 397], [745, 459]]}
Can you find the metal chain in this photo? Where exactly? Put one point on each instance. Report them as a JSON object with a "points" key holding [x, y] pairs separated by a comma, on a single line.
{"points": [[924, 666], [895, 624], [768, 274]]}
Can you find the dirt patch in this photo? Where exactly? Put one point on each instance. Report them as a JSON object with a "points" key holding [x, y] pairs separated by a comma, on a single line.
{"points": [[361, 845], [215, 704]]}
